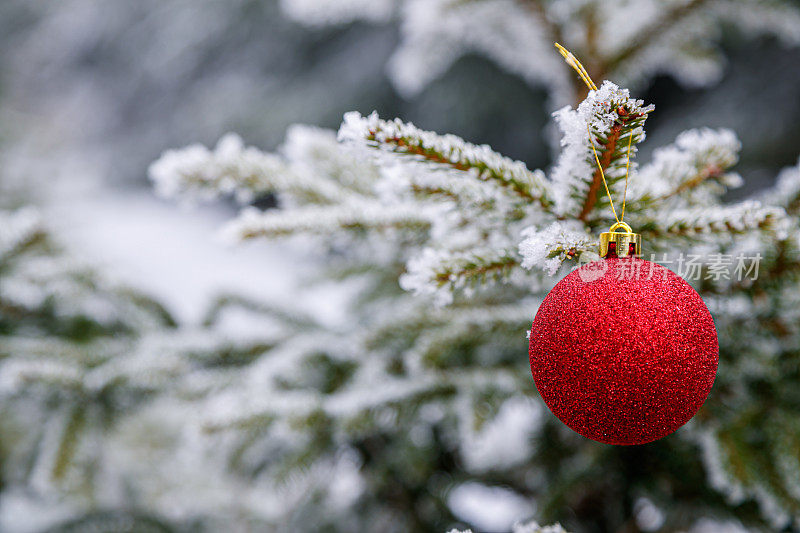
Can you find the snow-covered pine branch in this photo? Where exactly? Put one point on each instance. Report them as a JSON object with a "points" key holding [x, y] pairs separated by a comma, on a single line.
{"points": [[525, 527], [440, 272], [549, 248], [515, 34], [614, 119], [316, 13], [197, 173], [378, 416], [704, 223], [446, 153], [20, 228], [673, 37], [326, 220], [690, 171], [414, 318], [40, 285], [786, 192]]}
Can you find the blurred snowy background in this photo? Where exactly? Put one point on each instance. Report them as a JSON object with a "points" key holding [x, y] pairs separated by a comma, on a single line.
{"points": [[92, 92]]}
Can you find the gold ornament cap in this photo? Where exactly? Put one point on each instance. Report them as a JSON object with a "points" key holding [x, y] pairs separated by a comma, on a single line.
{"points": [[622, 241]]}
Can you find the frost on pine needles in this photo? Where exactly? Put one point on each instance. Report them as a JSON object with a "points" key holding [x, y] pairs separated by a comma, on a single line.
{"points": [[549, 248], [437, 152], [612, 118], [697, 162], [786, 192], [724, 221], [316, 13], [441, 272], [20, 227], [197, 173], [321, 220]]}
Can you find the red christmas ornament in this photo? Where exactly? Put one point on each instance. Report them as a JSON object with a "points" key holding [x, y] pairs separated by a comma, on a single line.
{"points": [[623, 350]]}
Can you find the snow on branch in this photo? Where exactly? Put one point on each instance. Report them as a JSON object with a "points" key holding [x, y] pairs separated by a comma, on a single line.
{"points": [[254, 404], [417, 316], [468, 194], [320, 13], [315, 152], [695, 163], [549, 248], [781, 19], [533, 527], [326, 220], [196, 172], [786, 192], [658, 37], [444, 152], [515, 34], [698, 222], [440, 272], [18, 229], [525, 527], [16, 374], [612, 117]]}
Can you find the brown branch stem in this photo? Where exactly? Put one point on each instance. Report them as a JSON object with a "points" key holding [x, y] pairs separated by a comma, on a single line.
{"points": [[597, 177], [435, 157], [707, 173], [495, 266]]}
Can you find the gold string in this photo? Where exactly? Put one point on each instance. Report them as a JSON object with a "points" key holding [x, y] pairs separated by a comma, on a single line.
{"points": [[627, 172], [602, 174], [575, 64]]}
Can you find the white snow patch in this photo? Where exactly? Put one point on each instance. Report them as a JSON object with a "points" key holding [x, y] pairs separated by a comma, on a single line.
{"points": [[488, 508]]}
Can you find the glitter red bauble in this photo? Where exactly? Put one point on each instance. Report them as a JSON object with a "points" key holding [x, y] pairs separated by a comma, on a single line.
{"points": [[623, 351]]}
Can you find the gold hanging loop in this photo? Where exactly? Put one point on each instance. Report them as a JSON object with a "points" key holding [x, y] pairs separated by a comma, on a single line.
{"points": [[622, 241]]}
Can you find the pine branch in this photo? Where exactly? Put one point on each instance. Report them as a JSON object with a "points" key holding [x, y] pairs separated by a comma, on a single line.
{"points": [[695, 163], [786, 192], [548, 249], [650, 33], [352, 407], [446, 152], [527, 527], [474, 268], [702, 223], [613, 118], [326, 220], [196, 172], [607, 149], [468, 194], [225, 302], [408, 322], [438, 273], [744, 469], [20, 229]]}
